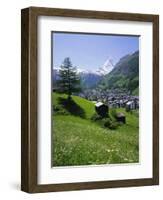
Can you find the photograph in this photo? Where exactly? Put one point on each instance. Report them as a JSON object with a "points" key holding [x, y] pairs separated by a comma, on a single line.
{"points": [[95, 99]]}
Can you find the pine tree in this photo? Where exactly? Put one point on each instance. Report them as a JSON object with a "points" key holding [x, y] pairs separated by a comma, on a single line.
{"points": [[68, 81]]}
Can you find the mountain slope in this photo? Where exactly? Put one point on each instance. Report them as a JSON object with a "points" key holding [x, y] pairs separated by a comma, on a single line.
{"points": [[80, 141], [89, 80], [125, 74]]}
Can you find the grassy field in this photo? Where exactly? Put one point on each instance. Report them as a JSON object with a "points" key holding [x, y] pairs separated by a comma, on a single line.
{"points": [[77, 140]]}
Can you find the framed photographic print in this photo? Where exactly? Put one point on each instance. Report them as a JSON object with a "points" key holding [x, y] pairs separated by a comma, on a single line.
{"points": [[90, 99]]}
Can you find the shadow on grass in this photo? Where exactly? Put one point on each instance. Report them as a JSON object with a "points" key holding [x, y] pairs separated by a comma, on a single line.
{"points": [[72, 107]]}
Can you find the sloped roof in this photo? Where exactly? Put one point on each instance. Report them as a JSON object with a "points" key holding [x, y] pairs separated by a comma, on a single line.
{"points": [[99, 104], [129, 102], [120, 114]]}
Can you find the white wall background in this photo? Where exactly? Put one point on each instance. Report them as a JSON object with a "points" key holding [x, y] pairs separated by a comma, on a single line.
{"points": [[10, 98]]}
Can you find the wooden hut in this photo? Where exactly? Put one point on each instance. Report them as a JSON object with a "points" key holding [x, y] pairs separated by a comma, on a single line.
{"points": [[121, 117], [101, 109]]}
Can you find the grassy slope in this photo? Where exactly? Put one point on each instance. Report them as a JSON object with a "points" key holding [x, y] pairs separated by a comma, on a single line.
{"points": [[79, 141]]}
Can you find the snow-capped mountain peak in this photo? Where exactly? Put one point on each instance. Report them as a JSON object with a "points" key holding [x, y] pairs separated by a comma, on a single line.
{"points": [[103, 70], [107, 67]]}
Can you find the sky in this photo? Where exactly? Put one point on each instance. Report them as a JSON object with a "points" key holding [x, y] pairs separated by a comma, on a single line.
{"points": [[90, 51]]}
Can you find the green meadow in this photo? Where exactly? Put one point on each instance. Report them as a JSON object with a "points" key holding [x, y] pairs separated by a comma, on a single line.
{"points": [[78, 140]]}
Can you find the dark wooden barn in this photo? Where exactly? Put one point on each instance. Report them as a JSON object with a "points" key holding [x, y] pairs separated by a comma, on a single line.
{"points": [[101, 109], [121, 117]]}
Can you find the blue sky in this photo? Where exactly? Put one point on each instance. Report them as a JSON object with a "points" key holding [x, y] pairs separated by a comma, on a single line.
{"points": [[90, 51]]}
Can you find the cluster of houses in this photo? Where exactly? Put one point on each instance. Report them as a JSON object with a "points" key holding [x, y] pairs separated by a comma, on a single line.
{"points": [[113, 99]]}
